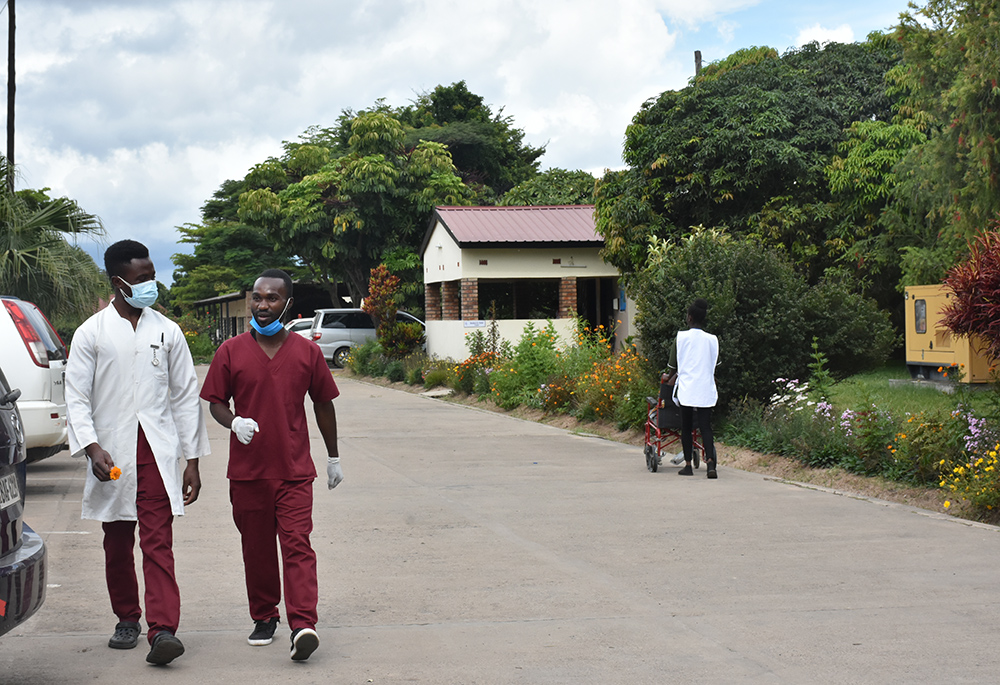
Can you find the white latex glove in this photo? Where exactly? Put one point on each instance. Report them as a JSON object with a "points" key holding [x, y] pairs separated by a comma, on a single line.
{"points": [[334, 474], [244, 429]]}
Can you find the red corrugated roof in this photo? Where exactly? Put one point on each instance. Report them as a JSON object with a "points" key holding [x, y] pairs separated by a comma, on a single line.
{"points": [[550, 224]]}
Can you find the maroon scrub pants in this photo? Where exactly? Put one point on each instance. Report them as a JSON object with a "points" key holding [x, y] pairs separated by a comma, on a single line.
{"points": [[163, 598], [267, 512]]}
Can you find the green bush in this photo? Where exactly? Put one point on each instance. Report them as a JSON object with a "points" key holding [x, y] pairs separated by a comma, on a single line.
{"points": [[761, 309], [519, 380], [414, 376], [201, 346], [849, 329], [366, 359], [395, 371], [400, 339], [435, 377]]}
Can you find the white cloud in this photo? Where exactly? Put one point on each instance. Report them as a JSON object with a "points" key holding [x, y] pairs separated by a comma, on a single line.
{"points": [[727, 30], [140, 109], [841, 34]]}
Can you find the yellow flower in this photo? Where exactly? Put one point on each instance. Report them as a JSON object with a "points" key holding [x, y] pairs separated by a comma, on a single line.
{"points": [[947, 504]]}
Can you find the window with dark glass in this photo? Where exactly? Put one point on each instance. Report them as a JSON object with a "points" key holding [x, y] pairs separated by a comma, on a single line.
{"points": [[920, 315], [527, 298]]}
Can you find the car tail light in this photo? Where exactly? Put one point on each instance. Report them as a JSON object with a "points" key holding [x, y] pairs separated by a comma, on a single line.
{"points": [[28, 334], [316, 336]]}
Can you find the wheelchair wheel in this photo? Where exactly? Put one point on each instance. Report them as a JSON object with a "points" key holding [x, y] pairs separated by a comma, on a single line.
{"points": [[651, 458], [696, 455]]}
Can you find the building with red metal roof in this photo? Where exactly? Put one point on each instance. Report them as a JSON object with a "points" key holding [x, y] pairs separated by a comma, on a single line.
{"points": [[519, 264]]}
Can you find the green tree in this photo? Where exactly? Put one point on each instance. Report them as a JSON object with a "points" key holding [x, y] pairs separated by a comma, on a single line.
{"points": [[552, 187], [744, 146], [488, 151], [38, 261], [864, 184], [342, 218], [947, 82], [227, 257]]}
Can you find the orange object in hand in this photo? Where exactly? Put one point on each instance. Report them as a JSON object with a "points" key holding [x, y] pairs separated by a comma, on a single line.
{"points": [[116, 473]]}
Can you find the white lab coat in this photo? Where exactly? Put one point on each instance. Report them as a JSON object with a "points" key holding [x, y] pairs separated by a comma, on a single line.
{"points": [[697, 355], [112, 386]]}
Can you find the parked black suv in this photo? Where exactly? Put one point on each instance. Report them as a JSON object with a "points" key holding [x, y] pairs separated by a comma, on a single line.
{"points": [[23, 564]]}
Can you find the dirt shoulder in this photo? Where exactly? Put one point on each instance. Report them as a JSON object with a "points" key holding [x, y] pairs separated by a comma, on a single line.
{"points": [[772, 465]]}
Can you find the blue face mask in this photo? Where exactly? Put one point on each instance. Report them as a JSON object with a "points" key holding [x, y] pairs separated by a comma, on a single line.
{"points": [[143, 294], [271, 328]]}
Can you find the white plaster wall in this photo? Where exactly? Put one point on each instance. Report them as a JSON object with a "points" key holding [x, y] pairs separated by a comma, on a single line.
{"points": [[581, 262], [444, 261], [442, 258], [446, 339]]}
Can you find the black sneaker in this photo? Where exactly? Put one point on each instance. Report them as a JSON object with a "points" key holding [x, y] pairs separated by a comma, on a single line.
{"points": [[686, 471], [712, 473], [126, 635], [304, 643], [263, 632], [165, 648]]}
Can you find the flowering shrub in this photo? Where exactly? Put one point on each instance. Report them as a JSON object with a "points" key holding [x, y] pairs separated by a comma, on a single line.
{"points": [[923, 440], [518, 379], [604, 388], [870, 432], [473, 374], [976, 480]]}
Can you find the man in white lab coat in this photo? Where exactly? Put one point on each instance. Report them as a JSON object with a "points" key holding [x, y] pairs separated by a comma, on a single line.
{"points": [[134, 412]]}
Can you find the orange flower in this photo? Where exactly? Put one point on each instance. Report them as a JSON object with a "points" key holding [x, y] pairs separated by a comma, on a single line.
{"points": [[116, 473]]}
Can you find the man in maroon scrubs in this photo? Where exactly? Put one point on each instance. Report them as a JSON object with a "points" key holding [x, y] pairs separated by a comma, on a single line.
{"points": [[267, 372]]}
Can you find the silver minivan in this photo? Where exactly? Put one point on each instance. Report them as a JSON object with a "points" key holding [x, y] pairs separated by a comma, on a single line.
{"points": [[336, 331]]}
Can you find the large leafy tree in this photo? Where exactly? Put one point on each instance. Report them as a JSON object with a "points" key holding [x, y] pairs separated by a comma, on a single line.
{"points": [[341, 218], [948, 82], [744, 146], [227, 257], [552, 187], [488, 151], [38, 258]]}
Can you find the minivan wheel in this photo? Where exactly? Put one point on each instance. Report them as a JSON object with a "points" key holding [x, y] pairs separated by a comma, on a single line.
{"points": [[340, 356]]}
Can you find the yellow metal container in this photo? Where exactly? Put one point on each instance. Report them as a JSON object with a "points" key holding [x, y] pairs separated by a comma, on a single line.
{"points": [[930, 346]]}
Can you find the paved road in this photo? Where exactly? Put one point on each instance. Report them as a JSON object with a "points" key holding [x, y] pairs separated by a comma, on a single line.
{"points": [[469, 547]]}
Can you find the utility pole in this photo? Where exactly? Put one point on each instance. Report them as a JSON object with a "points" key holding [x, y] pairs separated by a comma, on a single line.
{"points": [[10, 95], [697, 63]]}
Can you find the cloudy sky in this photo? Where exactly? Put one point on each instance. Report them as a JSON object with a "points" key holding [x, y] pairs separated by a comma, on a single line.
{"points": [[140, 109]]}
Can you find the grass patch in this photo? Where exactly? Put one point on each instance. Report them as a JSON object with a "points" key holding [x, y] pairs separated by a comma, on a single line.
{"points": [[900, 399]]}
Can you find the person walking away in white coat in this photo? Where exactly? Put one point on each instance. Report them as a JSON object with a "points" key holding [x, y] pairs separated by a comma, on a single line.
{"points": [[133, 411], [697, 354]]}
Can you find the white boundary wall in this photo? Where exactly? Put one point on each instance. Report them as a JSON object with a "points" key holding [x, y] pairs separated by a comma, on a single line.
{"points": [[446, 339]]}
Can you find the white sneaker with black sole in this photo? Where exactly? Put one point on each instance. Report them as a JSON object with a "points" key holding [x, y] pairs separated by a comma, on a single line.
{"points": [[304, 643]]}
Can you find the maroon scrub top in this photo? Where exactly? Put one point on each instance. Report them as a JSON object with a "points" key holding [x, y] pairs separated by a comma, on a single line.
{"points": [[272, 393]]}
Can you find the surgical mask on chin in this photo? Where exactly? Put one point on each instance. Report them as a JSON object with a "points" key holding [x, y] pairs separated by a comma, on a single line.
{"points": [[271, 328], [143, 294]]}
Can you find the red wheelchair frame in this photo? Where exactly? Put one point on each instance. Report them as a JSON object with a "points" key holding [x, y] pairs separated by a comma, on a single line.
{"points": [[663, 429]]}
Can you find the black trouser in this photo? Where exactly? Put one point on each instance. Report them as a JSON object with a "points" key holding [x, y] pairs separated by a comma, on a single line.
{"points": [[704, 415]]}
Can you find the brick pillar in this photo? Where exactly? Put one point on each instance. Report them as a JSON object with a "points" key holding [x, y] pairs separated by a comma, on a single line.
{"points": [[567, 297], [450, 303], [470, 299], [432, 301]]}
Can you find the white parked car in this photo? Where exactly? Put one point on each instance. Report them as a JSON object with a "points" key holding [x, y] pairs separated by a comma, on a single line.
{"points": [[33, 358], [336, 331], [301, 326]]}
